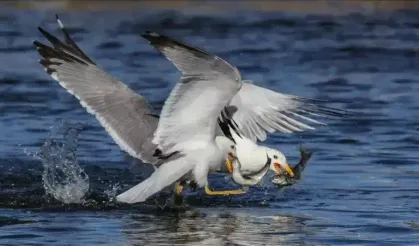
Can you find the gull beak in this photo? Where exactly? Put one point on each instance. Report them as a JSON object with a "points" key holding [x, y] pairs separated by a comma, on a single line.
{"points": [[229, 161], [286, 167]]}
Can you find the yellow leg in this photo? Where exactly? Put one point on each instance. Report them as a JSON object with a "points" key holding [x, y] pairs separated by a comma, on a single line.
{"points": [[229, 166], [210, 192], [178, 189]]}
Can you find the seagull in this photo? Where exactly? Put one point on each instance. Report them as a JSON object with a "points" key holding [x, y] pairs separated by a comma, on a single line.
{"points": [[187, 127], [195, 145], [251, 112], [127, 117]]}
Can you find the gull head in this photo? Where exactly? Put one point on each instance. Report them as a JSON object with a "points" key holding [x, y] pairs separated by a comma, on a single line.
{"points": [[278, 162]]}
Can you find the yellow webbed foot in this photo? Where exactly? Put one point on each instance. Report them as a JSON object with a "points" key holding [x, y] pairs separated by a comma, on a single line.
{"points": [[210, 192]]}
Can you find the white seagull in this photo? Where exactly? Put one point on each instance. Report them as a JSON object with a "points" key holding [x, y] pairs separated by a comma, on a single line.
{"points": [[126, 116], [185, 141]]}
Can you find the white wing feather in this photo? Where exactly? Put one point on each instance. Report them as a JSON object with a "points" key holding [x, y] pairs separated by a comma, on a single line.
{"points": [[257, 110], [207, 85]]}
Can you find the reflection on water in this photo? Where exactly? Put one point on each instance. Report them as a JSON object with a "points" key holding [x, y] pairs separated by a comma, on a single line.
{"points": [[202, 226], [215, 227]]}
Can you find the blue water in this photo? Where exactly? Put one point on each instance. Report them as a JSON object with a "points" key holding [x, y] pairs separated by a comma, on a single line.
{"points": [[360, 187]]}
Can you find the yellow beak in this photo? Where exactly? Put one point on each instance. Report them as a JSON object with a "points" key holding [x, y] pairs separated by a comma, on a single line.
{"points": [[228, 162], [287, 168]]}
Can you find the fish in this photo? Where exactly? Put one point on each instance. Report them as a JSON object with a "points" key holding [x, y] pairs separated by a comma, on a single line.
{"points": [[284, 179]]}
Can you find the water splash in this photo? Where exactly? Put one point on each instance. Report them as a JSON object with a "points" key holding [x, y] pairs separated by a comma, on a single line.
{"points": [[112, 191], [63, 177]]}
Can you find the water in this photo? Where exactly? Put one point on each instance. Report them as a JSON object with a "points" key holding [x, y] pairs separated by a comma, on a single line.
{"points": [[62, 176], [360, 187]]}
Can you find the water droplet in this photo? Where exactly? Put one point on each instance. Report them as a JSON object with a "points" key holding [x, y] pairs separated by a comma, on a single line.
{"points": [[63, 177]]}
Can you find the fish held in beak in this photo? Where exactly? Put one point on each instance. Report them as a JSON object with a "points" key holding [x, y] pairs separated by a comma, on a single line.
{"points": [[285, 179]]}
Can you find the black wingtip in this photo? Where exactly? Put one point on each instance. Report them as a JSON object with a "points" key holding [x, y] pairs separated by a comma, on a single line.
{"points": [[151, 36], [45, 33], [38, 44], [227, 124], [147, 33]]}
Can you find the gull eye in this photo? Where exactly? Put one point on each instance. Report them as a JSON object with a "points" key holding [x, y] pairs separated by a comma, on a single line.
{"points": [[275, 157], [232, 146]]}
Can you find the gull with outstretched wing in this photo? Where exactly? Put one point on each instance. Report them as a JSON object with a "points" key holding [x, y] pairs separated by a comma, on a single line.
{"points": [[188, 139], [251, 112], [126, 116]]}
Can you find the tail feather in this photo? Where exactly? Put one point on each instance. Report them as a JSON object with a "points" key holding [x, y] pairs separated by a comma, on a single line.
{"points": [[165, 175]]}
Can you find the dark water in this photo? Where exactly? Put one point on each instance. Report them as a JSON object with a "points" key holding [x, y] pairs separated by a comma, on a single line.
{"points": [[360, 188]]}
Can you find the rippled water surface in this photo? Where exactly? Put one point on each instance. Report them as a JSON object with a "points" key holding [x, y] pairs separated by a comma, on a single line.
{"points": [[360, 188]]}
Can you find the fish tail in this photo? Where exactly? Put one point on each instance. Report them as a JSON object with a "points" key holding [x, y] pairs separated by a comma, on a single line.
{"points": [[305, 155]]}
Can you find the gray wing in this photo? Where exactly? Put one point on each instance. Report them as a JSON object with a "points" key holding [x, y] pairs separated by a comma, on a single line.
{"points": [[189, 116], [126, 116], [258, 110], [207, 84]]}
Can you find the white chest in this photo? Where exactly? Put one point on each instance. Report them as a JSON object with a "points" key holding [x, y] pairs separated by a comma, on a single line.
{"points": [[252, 160]]}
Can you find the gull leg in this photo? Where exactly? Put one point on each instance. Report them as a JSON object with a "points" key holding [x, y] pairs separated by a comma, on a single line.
{"points": [[210, 192], [178, 187], [229, 166], [193, 185]]}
